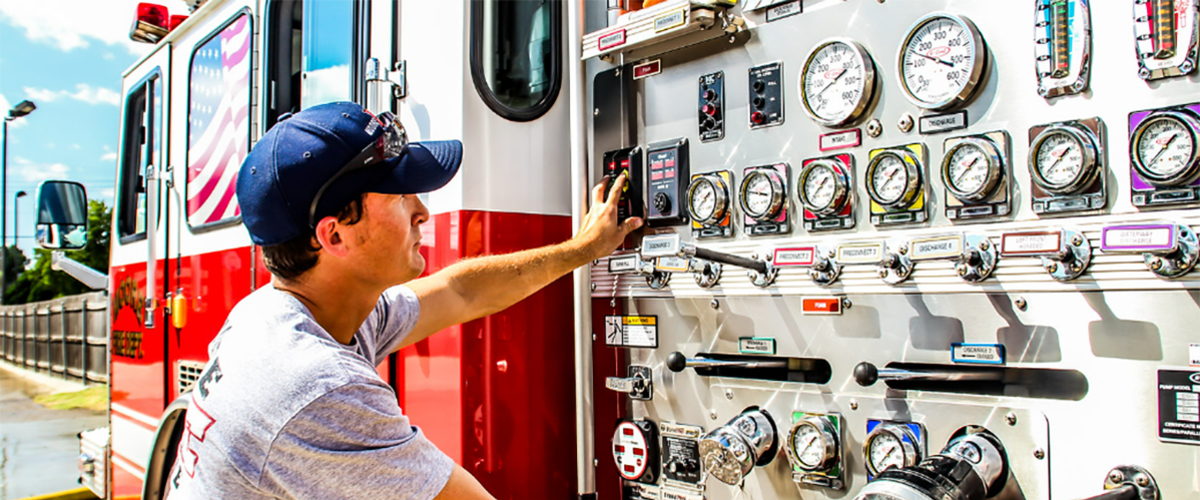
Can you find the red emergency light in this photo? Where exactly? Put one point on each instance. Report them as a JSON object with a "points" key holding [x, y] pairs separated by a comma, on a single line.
{"points": [[176, 20], [151, 23]]}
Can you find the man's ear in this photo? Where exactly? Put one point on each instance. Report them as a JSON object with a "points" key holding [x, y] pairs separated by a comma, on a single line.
{"points": [[329, 236]]}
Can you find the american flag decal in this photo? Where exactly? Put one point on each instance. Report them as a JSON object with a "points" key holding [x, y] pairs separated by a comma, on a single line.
{"points": [[218, 123]]}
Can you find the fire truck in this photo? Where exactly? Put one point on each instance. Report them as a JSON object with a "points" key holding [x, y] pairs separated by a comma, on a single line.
{"points": [[895, 249]]}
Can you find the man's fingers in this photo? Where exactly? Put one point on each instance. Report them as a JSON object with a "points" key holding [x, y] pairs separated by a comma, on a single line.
{"points": [[615, 192], [598, 191], [631, 224]]}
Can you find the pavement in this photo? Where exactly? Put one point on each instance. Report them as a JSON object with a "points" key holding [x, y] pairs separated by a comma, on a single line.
{"points": [[38, 447]]}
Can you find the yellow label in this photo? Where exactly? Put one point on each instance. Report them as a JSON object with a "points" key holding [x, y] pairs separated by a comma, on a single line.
{"points": [[638, 320]]}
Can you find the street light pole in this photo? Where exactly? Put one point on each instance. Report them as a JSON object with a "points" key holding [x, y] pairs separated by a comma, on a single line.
{"points": [[21, 109]]}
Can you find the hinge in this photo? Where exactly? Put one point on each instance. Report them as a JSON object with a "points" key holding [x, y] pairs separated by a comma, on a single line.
{"points": [[399, 79]]}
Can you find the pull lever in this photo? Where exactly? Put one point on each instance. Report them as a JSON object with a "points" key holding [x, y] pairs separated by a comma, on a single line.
{"points": [[866, 374], [761, 272], [678, 362]]}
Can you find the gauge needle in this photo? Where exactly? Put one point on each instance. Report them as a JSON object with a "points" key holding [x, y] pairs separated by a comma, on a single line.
{"points": [[968, 170], [1164, 148], [809, 444], [934, 59], [822, 184], [889, 452], [759, 193], [835, 79]]}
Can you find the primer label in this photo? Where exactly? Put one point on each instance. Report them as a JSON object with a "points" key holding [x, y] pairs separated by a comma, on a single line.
{"points": [[860, 253], [799, 256]]}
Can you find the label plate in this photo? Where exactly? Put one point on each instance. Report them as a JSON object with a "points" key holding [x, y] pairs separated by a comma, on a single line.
{"points": [[614, 39], [631, 331], [936, 124], [821, 306], [860, 253], [669, 21], [1140, 238], [937, 247], [1179, 406], [647, 69], [840, 140], [672, 264], [661, 245], [756, 345], [623, 264], [799, 256], [1031, 243], [983, 354]]}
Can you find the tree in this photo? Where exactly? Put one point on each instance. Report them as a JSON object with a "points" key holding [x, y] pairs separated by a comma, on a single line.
{"points": [[42, 283]]}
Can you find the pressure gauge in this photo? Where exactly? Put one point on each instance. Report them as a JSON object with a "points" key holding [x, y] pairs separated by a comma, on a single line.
{"points": [[1164, 149], [894, 178], [942, 61], [762, 194], [824, 188], [812, 444], [708, 199], [837, 82], [1062, 159], [972, 169], [890, 445]]}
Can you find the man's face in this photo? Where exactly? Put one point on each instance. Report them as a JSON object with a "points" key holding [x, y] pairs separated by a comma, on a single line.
{"points": [[387, 241]]}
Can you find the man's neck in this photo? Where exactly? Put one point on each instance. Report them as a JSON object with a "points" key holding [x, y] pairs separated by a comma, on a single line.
{"points": [[338, 306]]}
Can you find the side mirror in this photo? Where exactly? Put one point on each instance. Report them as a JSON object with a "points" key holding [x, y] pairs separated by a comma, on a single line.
{"points": [[62, 215]]}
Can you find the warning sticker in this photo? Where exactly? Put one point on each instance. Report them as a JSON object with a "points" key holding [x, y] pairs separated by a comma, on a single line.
{"points": [[635, 491], [1179, 406], [1194, 354], [631, 331]]}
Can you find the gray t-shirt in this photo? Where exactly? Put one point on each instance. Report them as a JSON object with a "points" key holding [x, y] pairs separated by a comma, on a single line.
{"points": [[282, 410]]}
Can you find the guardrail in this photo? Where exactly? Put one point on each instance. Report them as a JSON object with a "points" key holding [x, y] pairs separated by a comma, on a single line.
{"points": [[65, 337]]}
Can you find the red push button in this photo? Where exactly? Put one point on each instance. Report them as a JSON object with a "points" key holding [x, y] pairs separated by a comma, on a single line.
{"points": [[758, 117]]}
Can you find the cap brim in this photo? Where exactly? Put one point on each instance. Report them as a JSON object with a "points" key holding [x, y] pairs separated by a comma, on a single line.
{"points": [[424, 167]]}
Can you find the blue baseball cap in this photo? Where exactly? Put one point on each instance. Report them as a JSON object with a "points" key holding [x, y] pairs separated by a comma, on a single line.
{"points": [[295, 158]]}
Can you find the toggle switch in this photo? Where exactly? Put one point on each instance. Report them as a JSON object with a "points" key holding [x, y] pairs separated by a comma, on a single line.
{"points": [[639, 384]]}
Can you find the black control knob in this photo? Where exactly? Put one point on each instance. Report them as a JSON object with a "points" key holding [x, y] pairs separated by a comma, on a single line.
{"points": [[866, 374], [662, 203], [676, 362], [759, 102], [759, 86], [710, 94]]}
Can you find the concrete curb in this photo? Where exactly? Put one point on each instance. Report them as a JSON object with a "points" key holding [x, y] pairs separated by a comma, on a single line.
{"points": [[78, 494], [56, 385]]}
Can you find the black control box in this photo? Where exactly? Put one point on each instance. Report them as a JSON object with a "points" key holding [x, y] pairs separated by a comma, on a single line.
{"points": [[627, 161], [766, 95], [712, 107], [667, 176]]}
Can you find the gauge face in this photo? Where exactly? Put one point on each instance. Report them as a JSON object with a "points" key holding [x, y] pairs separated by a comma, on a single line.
{"points": [[707, 199], [822, 188], [812, 445], [890, 445], [838, 82], [1063, 159], [762, 195], [893, 178], [1165, 148], [941, 62], [971, 170]]}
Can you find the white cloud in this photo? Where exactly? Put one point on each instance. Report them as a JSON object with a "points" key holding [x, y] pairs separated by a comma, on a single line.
{"points": [[74, 146], [4, 107], [83, 92], [37, 172], [107, 193], [109, 156], [74, 24]]}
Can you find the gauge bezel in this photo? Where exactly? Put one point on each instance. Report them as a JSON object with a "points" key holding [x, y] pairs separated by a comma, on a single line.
{"points": [[829, 440], [912, 168], [777, 195], [1087, 172], [1184, 177], [995, 170], [841, 187], [720, 199], [912, 454], [979, 63], [868, 93]]}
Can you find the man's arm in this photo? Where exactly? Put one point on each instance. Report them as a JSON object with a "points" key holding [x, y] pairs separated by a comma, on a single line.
{"points": [[478, 287], [463, 486]]}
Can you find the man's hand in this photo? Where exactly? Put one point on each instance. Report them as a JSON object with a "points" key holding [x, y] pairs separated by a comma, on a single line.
{"points": [[599, 231]]}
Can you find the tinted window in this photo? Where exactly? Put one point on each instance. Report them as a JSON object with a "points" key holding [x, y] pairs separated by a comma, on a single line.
{"points": [[329, 40], [142, 147], [218, 122], [516, 54]]}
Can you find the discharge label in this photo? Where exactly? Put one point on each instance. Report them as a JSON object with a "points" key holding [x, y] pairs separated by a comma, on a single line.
{"points": [[940, 247], [631, 331], [988, 354], [1179, 406]]}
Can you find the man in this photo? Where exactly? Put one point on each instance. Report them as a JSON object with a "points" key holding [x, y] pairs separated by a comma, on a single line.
{"points": [[290, 404]]}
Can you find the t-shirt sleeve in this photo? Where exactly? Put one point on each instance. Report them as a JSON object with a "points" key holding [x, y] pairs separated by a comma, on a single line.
{"points": [[394, 317], [354, 442]]}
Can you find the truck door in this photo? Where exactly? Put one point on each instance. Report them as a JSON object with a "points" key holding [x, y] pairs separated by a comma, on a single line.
{"points": [[139, 390]]}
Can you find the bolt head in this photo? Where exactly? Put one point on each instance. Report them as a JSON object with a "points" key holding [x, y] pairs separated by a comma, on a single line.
{"points": [[1077, 240], [962, 270], [1116, 476], [1010, 418], [1156, 264], [853, 404], [1039, 454], [903, 250], [1142, 481], [1052, 267], [712, 414], [883, 273], [716, 304], [728, 393], [1021, 304], [984, 245], [593, 287]]}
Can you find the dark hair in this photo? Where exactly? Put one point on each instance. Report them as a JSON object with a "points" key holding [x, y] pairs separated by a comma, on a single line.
{"points": [[291, 259]]}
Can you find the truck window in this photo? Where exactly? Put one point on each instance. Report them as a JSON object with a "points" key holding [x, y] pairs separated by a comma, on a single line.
{"points": [[516, 54], [218, 122], [283, 39], [143, 147], [329, 40]]}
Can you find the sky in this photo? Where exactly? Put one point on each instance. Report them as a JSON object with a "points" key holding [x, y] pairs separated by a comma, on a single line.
{"points": [[67, 56]]}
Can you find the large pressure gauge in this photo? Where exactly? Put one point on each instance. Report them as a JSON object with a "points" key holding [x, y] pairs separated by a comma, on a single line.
{"points": [[941, 61], [824, 188], [890, 445], [1164, 149], [837, 82], [894, 178], [762, 195], [972, 169], [1062, 159], [812, 444], [708, 199]]}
